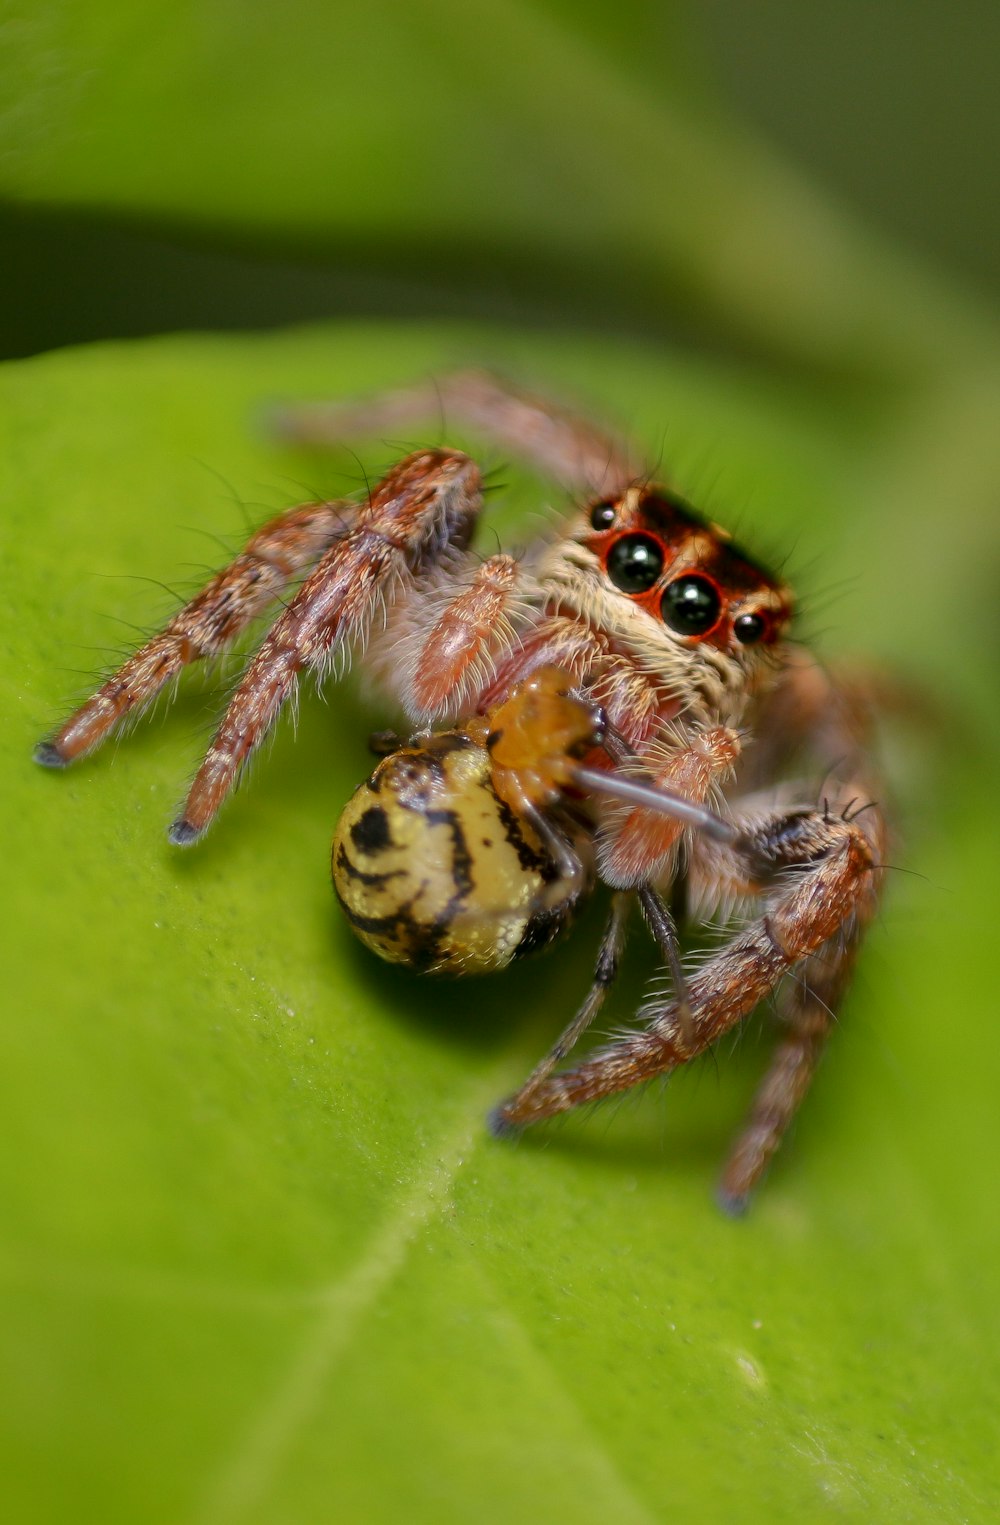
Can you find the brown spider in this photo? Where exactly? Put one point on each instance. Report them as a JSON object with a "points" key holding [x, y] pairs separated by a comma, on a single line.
{"points": [[625, 693]]}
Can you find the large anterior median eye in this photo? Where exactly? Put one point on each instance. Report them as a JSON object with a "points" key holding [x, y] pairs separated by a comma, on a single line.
{"points": [[690, 605], [634, 563]]}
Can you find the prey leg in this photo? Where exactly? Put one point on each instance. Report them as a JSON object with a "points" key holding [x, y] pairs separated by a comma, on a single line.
{"points": [[605, 973], [664, 929]]}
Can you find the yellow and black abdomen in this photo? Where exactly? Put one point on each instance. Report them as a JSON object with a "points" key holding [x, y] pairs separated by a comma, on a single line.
{"points": [[434, 871]]}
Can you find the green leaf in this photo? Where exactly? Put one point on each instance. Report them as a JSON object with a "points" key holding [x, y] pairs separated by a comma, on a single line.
{"points": [[261, 1261], [505, 142]]}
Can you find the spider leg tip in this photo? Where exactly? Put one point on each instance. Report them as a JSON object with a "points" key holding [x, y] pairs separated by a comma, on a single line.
{"points": [[182, 833], [500, 1125], [733, 1203], [48, 755]]}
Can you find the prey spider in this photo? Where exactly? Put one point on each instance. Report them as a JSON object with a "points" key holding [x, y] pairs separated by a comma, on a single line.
{"points": [[622, 703]]}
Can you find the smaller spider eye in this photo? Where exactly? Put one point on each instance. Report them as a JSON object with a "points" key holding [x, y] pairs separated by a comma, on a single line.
{"points": [[635, 562], [602, 516], [690, 605], [748, 628]]}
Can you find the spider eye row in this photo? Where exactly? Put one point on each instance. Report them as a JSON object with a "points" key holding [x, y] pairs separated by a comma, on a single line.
{"points": [[602, 516], [690, 605], [635, 562]]}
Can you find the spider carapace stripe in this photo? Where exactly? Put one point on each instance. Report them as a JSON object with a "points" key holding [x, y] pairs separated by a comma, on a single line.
{"points": [[618, 702]]}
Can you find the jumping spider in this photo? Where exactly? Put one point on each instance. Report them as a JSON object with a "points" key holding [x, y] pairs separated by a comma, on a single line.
{"points": [[621, 703]]}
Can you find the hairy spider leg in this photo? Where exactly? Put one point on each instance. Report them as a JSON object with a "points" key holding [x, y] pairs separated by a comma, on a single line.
{"points": [[440, 651], [206, 626], [806, 1009], [425, 505], [572, 450], [833, 717], [822, 875]]}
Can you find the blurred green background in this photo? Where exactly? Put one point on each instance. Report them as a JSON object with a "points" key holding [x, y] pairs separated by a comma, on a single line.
{"points": [[891, 107], [259, 1260]]}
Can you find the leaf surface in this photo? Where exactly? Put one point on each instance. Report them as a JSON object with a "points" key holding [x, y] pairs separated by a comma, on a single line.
{"points": [[261, 1261]]}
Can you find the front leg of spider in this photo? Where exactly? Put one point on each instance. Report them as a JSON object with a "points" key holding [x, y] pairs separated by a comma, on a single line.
{"points": [[359, 560], [205, 627], [428, 502]]}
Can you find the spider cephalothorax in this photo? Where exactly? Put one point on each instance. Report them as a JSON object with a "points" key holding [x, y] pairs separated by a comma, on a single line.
{"points": [[673, 596], [622, 702]]}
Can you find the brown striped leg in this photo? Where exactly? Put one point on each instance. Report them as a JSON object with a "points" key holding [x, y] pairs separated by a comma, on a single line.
{"points": [[825, 877], [605, 974], [427, 503], [206, 626], [809, 999], [572, 450], [446, 646]]}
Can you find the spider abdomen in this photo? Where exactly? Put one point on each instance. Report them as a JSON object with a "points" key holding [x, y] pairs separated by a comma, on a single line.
{"points": [[435, 871]]}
